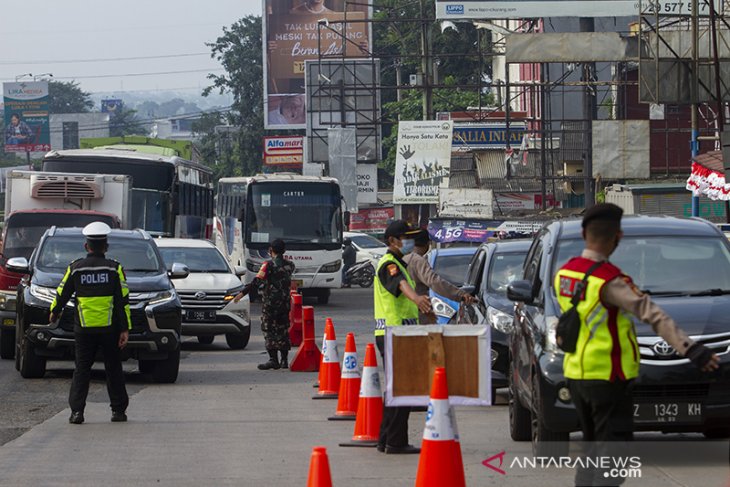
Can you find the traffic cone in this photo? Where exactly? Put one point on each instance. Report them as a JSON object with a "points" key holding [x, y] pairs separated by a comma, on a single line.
{"points": [[327, 321], [319, 468], [370, 405], [440, 462], [329, 383], [349, 383], [307, 357], [295, 318]]}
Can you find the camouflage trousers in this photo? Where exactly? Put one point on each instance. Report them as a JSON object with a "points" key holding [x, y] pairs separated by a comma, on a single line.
{"points": [[276, 330]]}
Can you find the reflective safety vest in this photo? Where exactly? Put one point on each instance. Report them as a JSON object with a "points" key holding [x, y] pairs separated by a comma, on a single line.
{"points": [[102, 295], [391, 310], [607, 348]]}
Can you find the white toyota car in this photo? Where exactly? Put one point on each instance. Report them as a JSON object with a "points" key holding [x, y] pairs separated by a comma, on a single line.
{"points": [[208, 291]]}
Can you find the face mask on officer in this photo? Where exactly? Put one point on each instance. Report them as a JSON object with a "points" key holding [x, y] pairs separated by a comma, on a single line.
{"points": [[407, 245]]}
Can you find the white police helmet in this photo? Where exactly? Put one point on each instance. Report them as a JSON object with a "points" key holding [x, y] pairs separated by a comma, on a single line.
{"points": [[96, 231]]}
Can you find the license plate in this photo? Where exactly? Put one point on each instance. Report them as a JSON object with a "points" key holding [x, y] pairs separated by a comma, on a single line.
{"points": [[200, 315], [668, 412]]}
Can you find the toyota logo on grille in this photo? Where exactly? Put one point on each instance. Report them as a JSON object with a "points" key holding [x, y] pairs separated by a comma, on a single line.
{"points": [[663, 349], [200, 295]]}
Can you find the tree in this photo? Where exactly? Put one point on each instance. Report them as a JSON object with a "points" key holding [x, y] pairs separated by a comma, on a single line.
{"points": [[68, 97], [125, 122], [239, 52]]}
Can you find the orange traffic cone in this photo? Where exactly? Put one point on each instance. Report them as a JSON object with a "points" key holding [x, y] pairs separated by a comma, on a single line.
{"points": [[329, 384], [349, 383], [295, 319], [370, 406], [319, 469], [327, 321], [307, 357], [440, 462]]}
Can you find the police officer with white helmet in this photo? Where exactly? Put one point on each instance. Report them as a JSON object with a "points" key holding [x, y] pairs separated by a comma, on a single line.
{"points": [[102, 320]]}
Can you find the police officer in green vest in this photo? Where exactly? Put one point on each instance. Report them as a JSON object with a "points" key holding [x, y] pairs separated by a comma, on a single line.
{"points": [[606, 361], [396, 304], [102, 320]]}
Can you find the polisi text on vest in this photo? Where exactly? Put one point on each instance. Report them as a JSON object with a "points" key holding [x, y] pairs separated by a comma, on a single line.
{"points": [[100, 278]]}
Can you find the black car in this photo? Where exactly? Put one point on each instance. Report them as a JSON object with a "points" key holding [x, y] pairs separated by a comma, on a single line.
{"points": [[154, 339], [492, 268], [684, 264]]}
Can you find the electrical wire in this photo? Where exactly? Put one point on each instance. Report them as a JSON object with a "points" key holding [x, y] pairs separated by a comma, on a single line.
{"points": [[100, 60], [132, 75]]}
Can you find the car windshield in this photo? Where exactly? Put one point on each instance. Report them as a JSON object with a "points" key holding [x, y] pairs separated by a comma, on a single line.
{"points": [[24, 230], [504, 268], [197, 259], [135, 255], [666, 265], [367, 242], [452, 267]]}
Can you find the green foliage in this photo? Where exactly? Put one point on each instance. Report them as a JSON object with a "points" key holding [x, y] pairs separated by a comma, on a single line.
{"points": [[125, 122], [68, 97]]}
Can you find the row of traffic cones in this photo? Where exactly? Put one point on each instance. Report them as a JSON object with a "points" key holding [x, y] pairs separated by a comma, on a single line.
{"points": [[360, 398]]}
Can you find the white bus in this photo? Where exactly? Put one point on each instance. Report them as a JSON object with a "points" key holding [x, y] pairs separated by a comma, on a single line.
{"points": [[304, 211]]}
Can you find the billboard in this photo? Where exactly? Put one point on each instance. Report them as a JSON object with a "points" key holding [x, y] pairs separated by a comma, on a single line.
{"points": [[521, 9], [27, 127], [371, 220], [422, 161], [112, 106], [284, 151], [300, 30], [479, 136]]}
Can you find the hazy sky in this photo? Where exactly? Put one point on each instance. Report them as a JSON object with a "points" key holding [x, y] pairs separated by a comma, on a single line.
{"points": [[57, 35]]}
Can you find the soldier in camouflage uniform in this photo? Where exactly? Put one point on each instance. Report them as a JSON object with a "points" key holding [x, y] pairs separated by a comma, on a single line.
{"points": [[274, 282]]}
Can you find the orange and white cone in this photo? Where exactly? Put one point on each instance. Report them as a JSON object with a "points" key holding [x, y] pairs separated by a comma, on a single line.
{"points": [[440, 462], [349, 383], [329, 384], [370, 404], [327, 321], [319, 469]]}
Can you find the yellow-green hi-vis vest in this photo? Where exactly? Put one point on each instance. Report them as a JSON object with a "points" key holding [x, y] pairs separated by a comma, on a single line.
{"points": [[607, 348], [391, 310]]}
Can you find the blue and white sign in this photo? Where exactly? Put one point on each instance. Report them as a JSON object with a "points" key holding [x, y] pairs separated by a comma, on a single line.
{"points": [[474, 136]]}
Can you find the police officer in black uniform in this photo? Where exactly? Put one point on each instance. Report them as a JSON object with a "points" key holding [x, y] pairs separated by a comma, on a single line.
{"points": [[102, 321]]}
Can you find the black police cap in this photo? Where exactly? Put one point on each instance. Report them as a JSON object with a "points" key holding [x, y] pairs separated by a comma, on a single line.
{"points": [[422, 238], [604, 212], [399, 228]]}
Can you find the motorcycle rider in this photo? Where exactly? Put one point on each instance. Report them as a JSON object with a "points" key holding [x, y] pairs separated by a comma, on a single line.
{"points": [[349, 256]]}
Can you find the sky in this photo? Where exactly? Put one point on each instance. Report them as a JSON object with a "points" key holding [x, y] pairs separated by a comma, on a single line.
{"points": [[84, 39]]}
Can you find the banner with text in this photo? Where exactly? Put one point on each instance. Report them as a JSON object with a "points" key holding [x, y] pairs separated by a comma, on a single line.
{"points": [[367, 184], [27, 127], [423, 161], [298, 30], [284, 151], [371, 220]]}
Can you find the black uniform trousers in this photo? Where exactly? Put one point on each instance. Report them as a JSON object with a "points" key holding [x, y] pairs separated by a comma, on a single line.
{"points": [[87, 344], [606, 414], [394, 427]]}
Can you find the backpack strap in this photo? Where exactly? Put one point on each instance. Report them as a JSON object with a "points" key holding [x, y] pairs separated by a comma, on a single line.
{"points": [[581, 286]]}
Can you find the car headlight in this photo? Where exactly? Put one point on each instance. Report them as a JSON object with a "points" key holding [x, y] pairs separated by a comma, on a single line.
{"points": [[500, 321], [252, 266], [162, 297], [331, 266], [442, 308], [43, 293], [551, 343], [232, 293]]}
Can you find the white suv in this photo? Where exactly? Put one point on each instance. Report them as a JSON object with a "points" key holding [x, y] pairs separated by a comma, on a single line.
{"points": [[208, 291]]}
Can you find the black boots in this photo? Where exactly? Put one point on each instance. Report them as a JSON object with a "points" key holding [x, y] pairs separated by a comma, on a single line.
{"points": [[119, 417], [273, 362], [284, 359], [77, 417]]}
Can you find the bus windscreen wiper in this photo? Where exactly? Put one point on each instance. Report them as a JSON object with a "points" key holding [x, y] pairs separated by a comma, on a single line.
{"points": [[711, 292], [663, 293]]}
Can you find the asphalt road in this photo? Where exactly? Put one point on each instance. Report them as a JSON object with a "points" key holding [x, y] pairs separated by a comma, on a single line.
{"points": [[226, 423]]}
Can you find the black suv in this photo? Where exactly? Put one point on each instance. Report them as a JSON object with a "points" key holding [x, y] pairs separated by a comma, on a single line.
{"points": [[684, 264], [154, 339]]}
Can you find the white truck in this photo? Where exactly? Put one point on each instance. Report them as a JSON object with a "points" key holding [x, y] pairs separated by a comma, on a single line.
{"points": [[35, 201]]}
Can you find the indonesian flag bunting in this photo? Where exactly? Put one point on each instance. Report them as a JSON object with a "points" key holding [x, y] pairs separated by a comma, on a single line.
{"points": [[707, 182]]}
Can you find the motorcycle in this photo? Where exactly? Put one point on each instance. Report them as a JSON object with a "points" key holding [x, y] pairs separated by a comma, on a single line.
{"points": [[362, 273]]}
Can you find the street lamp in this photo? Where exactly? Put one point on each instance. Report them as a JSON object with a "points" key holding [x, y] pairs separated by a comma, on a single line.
{"points": [[23, 76], [37, 76]]}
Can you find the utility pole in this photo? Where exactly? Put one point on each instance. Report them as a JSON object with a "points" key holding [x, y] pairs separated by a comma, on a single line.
{"points": [[587, 24], [695, 144], [426, 62]]}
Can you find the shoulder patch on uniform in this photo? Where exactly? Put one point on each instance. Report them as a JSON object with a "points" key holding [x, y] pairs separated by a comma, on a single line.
{"points": [[631, 285], [262, 272], [393, 270]]}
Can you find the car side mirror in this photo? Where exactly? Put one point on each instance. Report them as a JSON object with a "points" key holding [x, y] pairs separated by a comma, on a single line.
{"points": [[18, 265], [178, 271], [520, 291], [346, 218], [469, 289], [239, 270]]}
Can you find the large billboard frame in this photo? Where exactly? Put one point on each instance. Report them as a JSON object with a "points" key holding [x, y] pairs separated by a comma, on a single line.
{"points": [[27, 116], [297, 100]]}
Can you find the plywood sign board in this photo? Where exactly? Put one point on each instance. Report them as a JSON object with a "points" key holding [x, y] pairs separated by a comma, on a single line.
{"points": [[414, 352]]}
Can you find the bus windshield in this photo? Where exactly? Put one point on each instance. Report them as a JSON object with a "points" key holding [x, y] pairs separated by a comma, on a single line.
{"points": [[300, 213]]}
